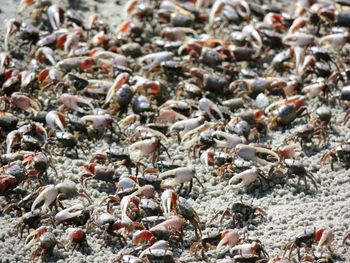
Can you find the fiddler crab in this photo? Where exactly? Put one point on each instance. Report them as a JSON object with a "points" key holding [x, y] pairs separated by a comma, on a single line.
{"points": [[292, 168], [216, 239], [339, 154], [51, 195], [323, 236], [241, 213], [47, 242]]}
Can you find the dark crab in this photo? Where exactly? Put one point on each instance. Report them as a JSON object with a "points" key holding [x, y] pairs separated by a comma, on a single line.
{"points": [[241, 214], [292, 168]]}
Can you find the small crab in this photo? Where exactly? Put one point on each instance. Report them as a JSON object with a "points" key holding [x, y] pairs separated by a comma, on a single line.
{"points": [[36, 165], [66, 141], [101, 172], [186, 210], [77, 237], [294, 169], [29, 220], [305, 133], [340, 154], [241, 214]]}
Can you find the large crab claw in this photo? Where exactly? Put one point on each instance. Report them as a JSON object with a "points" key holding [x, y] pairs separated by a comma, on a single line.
{"points": [[11, 27], [70, 212], [54, 118], [72, 102], [249, 153], [149, 131], [209, 107], [47, 195], [205, 126], [230, 140], [246, 178], [180, 176], [25, 103], [229, 238], [24, 4], [169, 198]]}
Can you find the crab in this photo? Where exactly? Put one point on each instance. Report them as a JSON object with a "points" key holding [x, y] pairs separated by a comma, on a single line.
{"points": [[225, 238], [170, 229], [77, 238], [241, 214], [95, 170], [305, 133], [147, 147], [294, 169], [46, 239], [291, 109], [340, 154], [30, 220], [67, 141], [186, 210], [36, 165], [250, 251], [125, 159], [305, 239]]}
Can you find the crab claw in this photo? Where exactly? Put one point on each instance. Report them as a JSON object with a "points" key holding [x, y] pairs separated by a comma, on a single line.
{"points": [[249, 153], [119, 81], [209, 107], [24, 4], [48, 196], [34, 236], [12, 138], [56, 16], [205, 126], [325, 237], [230, 140], [125, 202], [159, 248], [71, 102], [169, 198], [11, 27], [247, 177], [44, 55], [141, 236], [144, 129], [229, 238], [55, 119], [25, 103], [180, 175], [70, 212]]}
